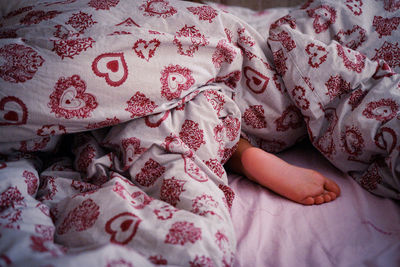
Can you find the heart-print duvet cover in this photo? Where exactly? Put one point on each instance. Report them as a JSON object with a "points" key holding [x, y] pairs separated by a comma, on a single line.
{"points": [[117, 117]]}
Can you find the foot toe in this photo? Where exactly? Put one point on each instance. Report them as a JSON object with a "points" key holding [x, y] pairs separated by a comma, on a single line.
{"points": [[332, 195], [327, 198], [319, 200], [331, 186], [308, 201]]}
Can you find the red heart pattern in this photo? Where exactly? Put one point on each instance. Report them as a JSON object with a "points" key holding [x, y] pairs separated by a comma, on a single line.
{"points": [[183, 232], [158, 8], [383, 110], [383, 70], [155, 120], [323, 17], [19, 63], [353, 141], [201, 78], [388, 52], [174, 144], [255, 81], [112, 67], [223, 53], [326, 143], [386, 139], [37, 16], [174, 80], [51, 129], [188, 40], [192, 135], [139, 200], [280, 62], [81, 218], [72, 47], [103, 4], [255, 117], [194, 171], [132, 150], [151, 171], [206, 13], [353, 60], [355, 6], [171, 190], [231, 80], [122, 227], [298, 95], [146, 49], [13, 110], [69, 99], [352, 38], [290, 119], [139, 105], [318, 55]]}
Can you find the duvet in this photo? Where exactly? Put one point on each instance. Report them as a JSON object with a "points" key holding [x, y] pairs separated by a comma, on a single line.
{"points": [[117, 117]]}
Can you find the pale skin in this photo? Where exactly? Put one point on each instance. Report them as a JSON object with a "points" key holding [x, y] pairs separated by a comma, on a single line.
{"points": [[304, 186]]}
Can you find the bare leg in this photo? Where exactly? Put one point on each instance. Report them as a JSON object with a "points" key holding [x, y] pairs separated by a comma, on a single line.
{"points": [[301, 185]]}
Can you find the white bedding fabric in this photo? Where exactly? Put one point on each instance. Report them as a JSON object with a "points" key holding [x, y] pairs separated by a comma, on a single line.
{"points": [[357, 229]]}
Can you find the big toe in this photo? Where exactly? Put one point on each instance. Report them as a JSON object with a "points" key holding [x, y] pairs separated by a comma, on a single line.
{"points": [[331, 186]]}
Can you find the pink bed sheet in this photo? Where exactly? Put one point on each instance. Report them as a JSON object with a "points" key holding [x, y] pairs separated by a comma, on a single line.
{"points": [[358, 229]]}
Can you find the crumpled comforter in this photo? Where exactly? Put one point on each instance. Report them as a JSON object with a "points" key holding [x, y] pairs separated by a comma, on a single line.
{"points": [[340, 64], [117, 117]]}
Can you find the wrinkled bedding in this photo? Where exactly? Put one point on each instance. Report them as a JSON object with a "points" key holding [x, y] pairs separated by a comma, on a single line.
{"points": [[340, 64], [117, 118], [357, 229]]}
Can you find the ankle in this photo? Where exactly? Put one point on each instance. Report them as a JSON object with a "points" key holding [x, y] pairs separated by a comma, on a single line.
{"points": [[247, 159]]}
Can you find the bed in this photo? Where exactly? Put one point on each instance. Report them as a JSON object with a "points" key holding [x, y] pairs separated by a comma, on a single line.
{"points": [[355, 230], [73, 210], [359, 229]]}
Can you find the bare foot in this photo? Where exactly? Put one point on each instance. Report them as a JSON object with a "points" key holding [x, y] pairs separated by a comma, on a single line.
{"points": [[301, 185]]}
